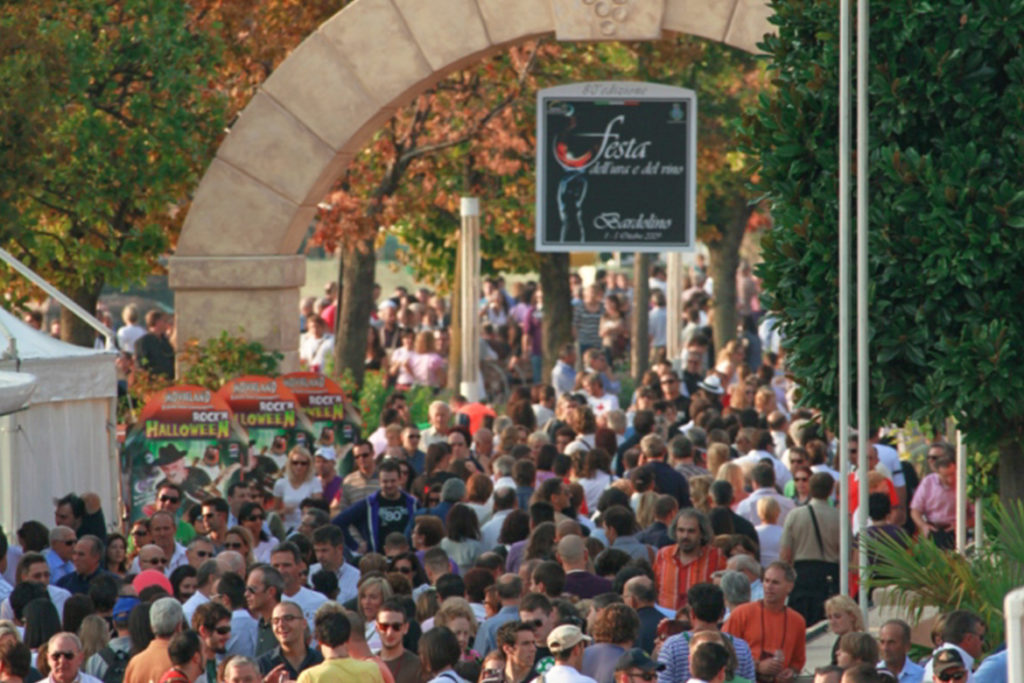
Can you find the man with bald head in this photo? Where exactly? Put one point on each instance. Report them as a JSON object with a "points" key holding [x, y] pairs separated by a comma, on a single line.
{"points": [[231, 561], [86, 556], [640, 594], [151, 557], [575, 560], [64, 655]]}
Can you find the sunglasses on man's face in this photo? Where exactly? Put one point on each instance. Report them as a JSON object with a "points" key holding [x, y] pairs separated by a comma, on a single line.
{"points": [[959, 676], [169, 499], [58, 654], [223, 630], [389, 626]]}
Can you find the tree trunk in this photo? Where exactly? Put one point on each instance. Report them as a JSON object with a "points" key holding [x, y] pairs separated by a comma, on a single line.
{"points": [[358, 267], [1011, 472], [557, 330], [72, 329], [639, 329], [455, 329], [725, 261]]}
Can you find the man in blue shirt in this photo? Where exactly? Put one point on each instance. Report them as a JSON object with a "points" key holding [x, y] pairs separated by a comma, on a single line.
{"points": [[58, 555], [563, 375], [510, 588], [893, 645]]}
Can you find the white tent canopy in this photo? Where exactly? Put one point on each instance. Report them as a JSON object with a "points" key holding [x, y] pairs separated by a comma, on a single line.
{"points": [[63, 441]]}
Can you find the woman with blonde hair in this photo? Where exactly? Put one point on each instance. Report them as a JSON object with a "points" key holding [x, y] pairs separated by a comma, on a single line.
{"points": [[239, 539], [700, 492], [844, 616], [718, 455], [733, 473], [373, 591], [297, 483], [457, 615], [94, 634]]}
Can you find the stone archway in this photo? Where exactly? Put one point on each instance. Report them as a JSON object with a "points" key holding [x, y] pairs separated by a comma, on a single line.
{"points": [[236, 264]]}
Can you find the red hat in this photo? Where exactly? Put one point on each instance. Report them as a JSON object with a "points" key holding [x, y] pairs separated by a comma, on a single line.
{"points": [[151, 577]]}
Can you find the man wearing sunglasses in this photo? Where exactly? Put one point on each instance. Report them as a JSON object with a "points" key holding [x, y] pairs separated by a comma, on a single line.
{"points": [[949, 667], [635, 666], [392, 625], [964, 634], [58, 555], [263, 589], [361, 483], [64, 655], [212, 621], [215, 515], [168, 498]]}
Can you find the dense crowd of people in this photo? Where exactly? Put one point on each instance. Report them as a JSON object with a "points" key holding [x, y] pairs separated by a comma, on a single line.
{"points": [[686, 532]]}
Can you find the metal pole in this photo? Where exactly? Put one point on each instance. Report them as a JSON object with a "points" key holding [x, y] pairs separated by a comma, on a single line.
{"points": [[84, 315], [1013, 608], [469, 253], [844, 296], [979, 525], [961, 493], [863, 154], [674, 319]]}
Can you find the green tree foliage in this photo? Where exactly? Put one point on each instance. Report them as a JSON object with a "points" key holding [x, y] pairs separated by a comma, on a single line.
{"points": [[108, 119], [946, 313], [922, 575]]}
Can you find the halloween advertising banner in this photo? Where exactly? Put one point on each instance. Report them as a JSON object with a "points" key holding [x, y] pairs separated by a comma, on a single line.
{"points": [[273, 419], [616, 167], [185, 435], [325, 405]]}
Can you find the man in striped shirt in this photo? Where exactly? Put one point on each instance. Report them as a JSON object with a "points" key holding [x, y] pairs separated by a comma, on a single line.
{"points": [[690, 561]]}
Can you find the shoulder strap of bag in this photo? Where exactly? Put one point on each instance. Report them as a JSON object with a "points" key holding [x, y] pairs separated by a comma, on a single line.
{"points": [[817, 531]]}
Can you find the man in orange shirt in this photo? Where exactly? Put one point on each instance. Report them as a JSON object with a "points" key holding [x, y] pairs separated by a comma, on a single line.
{"points": [[690, 561], [776, 634]]}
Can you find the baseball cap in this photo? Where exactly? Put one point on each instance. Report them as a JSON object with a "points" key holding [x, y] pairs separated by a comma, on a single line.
{"points": [[326, 452], [151, 577], [566, 637], [948, 661], [635, 658], [123, 607]]}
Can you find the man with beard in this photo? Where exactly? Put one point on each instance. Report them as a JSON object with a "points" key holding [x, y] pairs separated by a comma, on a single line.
{"points": [[690, 561], [212, 621], [171, 461]]}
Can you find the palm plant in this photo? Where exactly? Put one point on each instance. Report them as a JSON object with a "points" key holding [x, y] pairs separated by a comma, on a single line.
{"points": [[922, 575]]}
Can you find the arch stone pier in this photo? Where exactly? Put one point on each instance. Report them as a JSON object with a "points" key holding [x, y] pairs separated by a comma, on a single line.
{"points": [[236, 266]]}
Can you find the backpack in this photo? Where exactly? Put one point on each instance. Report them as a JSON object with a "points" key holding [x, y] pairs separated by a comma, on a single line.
{"points": [[117, 663]]}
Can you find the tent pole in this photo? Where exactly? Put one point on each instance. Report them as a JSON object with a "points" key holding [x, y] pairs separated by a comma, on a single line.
{"points": [[66, 301]]}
